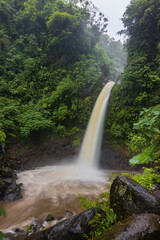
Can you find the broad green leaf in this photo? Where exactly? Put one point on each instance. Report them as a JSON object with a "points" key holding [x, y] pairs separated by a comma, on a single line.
{"points": [[145, 157], [157, 154]]}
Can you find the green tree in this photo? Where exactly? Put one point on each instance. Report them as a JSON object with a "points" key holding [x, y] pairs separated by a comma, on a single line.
{"points": [[140, 82], [51, 69]]}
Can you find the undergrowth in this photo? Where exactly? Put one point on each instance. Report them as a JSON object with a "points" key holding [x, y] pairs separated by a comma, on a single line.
{"points": [[102, 220], [148, 178]]}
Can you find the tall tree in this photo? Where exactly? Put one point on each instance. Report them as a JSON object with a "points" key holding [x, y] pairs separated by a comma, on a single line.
{"points": [[140, 82]]}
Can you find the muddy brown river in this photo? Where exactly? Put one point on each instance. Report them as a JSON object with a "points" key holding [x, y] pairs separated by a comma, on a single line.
{"points": [[52, 189]]}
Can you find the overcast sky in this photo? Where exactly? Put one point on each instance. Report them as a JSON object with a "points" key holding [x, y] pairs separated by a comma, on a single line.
{"points": [[113, 10]]}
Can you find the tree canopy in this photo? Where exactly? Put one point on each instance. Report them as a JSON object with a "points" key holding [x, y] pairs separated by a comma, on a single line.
{"points": [[51, 66]]}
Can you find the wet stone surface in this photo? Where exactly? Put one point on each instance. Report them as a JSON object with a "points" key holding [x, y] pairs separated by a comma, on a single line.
{"points": [[9, 190], [143, 226], [127, 197], [70, 229]]}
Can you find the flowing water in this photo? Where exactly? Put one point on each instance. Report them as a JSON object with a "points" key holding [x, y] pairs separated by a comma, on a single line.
{"points": [[54, 189], [91, 146]]}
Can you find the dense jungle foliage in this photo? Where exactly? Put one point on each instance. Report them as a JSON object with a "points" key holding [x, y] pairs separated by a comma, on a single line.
{"points": [[135, 104], [52, 66]]}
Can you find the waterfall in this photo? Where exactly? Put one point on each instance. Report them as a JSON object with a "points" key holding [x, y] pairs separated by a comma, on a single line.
{"points": [[91, 145], [59, 185]]}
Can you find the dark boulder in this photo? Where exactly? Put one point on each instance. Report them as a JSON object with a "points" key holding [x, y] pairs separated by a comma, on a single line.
{"points": [[70, 229], [9, 190], [8, 181], [12, 193], [127, 197], [6, 172], [18, 234], [143, 226], [9, 163], [2, 187]]}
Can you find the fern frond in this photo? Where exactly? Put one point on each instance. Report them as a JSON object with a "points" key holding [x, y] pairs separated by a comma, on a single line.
{"points": [[85, 202]]}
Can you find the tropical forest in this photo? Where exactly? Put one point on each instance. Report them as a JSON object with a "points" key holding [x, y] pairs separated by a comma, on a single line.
{"points": [[79, 122]]}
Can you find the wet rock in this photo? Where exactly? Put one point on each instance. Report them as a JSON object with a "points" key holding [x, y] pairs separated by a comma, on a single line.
{"points": [[2, 185], [156, 190], [6, 172], [60, 218], [18, 234], [18, 230], [127, 197], [37, 225], [10, 162], [143, 226], [157, 195], [18, 238], [8, 181], [12, 193], [70, 229], [155, 187], [68, 213], [50, 217], [113, 159], [9, 190]]}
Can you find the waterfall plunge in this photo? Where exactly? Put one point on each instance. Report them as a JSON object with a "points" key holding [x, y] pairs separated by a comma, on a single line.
{"points": [[91, 145], [56, 187]]}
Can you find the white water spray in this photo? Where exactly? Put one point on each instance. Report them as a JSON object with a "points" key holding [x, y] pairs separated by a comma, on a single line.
{"points": [[90, 150]]}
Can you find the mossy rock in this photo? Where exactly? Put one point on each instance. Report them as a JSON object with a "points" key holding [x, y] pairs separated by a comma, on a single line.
{"points": [[127, 197], [143, 226]]}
